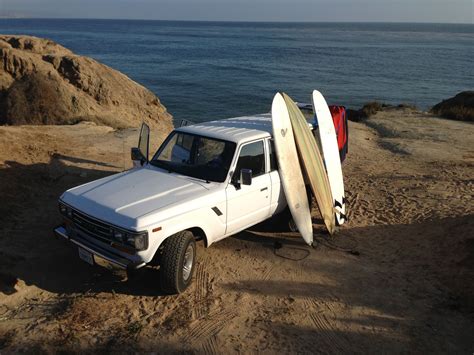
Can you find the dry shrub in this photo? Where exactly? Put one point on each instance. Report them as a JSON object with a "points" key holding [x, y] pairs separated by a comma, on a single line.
{"points": [[35, 99], [408, 106], [371, 108], [368, 110]]}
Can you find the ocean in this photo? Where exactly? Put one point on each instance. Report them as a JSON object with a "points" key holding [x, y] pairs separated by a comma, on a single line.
{"points": [[211, 70]]}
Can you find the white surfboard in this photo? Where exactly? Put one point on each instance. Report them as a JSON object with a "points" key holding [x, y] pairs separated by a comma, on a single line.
{"points": [[330, 149], [290, 169]]}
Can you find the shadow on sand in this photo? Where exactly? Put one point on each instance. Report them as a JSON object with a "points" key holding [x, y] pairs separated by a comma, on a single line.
{"points": [[30, 253]]}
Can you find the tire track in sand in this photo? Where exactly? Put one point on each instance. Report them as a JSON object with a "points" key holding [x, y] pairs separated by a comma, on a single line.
{"points": [[267, 273], [334, 342], [210, 346], [210, 327], [201, 294]]}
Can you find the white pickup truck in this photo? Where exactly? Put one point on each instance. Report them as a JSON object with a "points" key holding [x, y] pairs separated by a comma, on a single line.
{"points": [[207, 181]]}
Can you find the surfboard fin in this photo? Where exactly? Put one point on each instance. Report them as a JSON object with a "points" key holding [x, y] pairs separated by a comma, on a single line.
{"points": [[337, 203]]}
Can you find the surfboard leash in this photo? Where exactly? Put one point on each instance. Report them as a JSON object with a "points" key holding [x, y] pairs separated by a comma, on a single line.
{"points": [[278, 245], [330, 245]]}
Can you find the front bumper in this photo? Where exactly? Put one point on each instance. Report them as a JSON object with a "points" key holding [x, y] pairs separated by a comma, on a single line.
{"points": [[98, 252]]}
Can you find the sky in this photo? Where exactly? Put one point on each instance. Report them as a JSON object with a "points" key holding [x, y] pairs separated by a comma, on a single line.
{"points": [[439, 11]]}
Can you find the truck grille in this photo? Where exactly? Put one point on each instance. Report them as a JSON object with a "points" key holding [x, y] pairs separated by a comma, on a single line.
{"points": [[92, 227]]}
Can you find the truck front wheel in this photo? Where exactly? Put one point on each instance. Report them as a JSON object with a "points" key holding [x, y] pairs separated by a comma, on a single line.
{"points": [[177, 262]]}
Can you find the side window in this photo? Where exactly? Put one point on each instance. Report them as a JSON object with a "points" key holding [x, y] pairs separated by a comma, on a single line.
{"points": [[252, 157], [185, 141], [273, 159], [177, 150]]}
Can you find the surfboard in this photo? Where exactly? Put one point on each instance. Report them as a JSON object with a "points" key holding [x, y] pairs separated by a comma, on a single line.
{"points": [[327, 134], [312, 163], [289, 168]]}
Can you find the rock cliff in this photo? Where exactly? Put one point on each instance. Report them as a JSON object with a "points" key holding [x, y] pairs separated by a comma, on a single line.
{"points": [[42, 82]]}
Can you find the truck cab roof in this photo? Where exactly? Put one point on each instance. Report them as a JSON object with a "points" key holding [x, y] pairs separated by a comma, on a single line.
{"points": [[237, 129]]}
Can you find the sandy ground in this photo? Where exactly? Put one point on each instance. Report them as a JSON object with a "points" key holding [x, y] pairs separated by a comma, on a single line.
{"points": [[399, 277]]}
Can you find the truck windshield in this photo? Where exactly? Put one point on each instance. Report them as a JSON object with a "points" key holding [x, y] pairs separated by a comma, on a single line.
{"points": [[196, 156]]}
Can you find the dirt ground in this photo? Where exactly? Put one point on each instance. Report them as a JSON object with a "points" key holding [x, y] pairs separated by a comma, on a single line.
{"points": [[398, 278]]}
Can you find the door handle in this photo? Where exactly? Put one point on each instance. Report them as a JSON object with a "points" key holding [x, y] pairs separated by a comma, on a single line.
{"points": [[265, 188]]}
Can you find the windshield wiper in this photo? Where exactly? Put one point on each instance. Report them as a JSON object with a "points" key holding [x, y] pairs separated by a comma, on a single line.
{"points": [[205, 180], [167, 167]]}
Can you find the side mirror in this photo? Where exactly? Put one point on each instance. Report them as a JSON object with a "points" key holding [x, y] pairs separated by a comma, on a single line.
{"points": [[137, 157], [246, 176], [144, 143]]}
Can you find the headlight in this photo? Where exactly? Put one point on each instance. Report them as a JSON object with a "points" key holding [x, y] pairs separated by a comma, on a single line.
{"points": [[138, 241], [119, 236], [62, 208], [141, 241], [65, 210]]}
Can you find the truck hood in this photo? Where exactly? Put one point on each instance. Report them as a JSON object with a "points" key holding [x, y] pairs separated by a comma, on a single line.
{"points": [[121, 198]]}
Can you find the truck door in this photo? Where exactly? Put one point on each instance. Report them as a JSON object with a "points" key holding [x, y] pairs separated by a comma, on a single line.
{"points": [[278, 200], [249, 204]]}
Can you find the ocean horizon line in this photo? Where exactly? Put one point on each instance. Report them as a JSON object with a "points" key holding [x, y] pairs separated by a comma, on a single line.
{"points": [[234, 21]]}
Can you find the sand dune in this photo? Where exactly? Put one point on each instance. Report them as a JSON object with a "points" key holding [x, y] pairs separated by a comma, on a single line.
{"points": [[397, 278]]}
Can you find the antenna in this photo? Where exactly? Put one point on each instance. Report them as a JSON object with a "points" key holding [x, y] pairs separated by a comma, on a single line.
{"points": [[123, 151]]}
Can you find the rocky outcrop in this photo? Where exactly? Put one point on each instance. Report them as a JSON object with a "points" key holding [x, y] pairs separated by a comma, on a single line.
{"points": [[459, 107], [42, 82], [371, 108]]}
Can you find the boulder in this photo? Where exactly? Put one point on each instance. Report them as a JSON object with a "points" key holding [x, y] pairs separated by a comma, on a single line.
{"points": [[459, 107], [42, 82]]}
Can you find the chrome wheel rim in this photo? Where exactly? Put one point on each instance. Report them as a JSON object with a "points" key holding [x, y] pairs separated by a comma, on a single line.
{"points": [[188, 262]]}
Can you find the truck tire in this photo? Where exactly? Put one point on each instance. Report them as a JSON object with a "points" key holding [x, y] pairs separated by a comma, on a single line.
{"points": [[177, 262]]}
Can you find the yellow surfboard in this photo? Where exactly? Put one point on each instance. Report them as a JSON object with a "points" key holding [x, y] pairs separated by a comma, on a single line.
{"points": [[312, 164]]}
